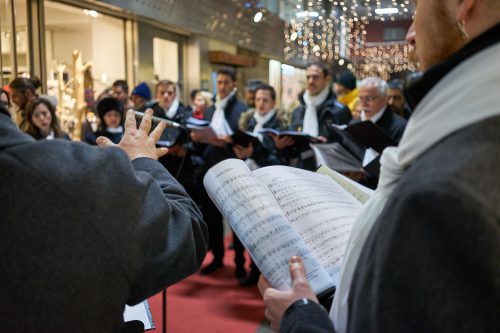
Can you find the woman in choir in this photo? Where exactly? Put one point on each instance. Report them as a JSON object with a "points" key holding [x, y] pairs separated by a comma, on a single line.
{"points": [[202, 100], [42, 122], [23, 90]]}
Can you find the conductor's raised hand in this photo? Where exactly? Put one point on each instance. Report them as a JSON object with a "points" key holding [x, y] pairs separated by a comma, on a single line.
{"points": [[138, 142], [278, 301]]}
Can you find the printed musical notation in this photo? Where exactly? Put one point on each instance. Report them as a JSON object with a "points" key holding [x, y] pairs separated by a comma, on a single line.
{"points": [[319, 210], [254, 214]]}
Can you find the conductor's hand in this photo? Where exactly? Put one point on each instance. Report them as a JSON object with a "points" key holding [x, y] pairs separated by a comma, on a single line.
{"points": [[278, 301], [136, 142]]}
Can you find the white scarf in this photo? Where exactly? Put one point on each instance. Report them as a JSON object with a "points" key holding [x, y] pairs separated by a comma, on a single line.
{"points": [[172, 110], [450, 106], [115, 130], [261, 121], [51, 135], [219, 123], [311, 126], [376, 117]]}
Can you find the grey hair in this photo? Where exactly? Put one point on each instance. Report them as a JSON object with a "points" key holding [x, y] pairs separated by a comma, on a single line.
{"points": [[376, 82]]}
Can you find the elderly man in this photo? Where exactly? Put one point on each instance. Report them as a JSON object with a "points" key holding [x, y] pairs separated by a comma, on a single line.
{"points": [[374, 104], [425, 255]]}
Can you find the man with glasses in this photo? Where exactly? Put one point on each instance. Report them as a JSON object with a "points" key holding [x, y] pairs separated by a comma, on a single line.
{"points": [[375, 107]]}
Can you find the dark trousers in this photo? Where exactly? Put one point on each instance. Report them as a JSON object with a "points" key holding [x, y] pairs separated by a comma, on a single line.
{"points": [[213, 218]]}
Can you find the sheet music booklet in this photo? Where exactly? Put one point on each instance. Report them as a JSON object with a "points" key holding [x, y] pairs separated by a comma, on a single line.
{"points": [[140, 312], [278, 212]]}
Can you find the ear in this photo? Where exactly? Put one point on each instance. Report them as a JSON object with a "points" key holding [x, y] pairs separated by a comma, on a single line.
{"points": [[465, 8]]}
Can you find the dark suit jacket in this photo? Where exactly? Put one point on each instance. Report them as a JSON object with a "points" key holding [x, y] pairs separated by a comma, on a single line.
{"points": [[329, 112], [211, 154], [84, 231], [265, 153]]}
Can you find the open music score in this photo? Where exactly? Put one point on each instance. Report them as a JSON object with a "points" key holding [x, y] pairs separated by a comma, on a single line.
{"points": [[278, 212]]}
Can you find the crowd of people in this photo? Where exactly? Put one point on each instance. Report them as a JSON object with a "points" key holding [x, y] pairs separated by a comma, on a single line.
{"points": [[190, 155], [427, 259]]}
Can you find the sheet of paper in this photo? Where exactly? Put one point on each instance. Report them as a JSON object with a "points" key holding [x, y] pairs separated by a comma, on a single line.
{"points": [[140, 312], [252, 212], [319, 209]]}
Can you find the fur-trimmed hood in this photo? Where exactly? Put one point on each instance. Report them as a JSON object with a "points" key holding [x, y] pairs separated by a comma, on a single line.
{"points": [[283, 118]]}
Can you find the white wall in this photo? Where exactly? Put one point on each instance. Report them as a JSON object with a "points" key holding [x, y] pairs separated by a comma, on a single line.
{"points": [[63, 42], [165, 59], [108, 51]]}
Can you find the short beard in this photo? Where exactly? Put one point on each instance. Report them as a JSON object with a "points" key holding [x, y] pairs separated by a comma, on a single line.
{"points": [[413, 57], [452, 42]]}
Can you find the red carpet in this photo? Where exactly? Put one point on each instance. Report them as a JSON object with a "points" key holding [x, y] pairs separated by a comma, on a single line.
{"points": [[212, 303]]}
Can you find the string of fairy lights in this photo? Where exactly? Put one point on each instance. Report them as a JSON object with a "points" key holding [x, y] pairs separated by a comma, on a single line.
{"points": [[335, 31]]}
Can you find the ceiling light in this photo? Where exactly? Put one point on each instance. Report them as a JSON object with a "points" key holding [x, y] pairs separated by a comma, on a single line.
{"points": [[306, 14], [91, 13], [385, 11], [257, 17]]}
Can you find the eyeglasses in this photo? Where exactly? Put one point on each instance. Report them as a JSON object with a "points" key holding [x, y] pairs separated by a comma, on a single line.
{"points": [[41, 114], [368, 98]]}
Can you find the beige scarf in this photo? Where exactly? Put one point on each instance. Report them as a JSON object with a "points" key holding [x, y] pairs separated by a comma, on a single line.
{"points": [[450, 106]]}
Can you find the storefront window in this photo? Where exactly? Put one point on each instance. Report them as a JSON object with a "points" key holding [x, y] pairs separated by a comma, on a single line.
{"points": [[99, 39], [13, 40], [85, 54], [293, 83]]}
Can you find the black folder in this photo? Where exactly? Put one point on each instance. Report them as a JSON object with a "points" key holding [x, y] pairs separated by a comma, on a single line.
{"points": [[302, 140], [358, 137], [244, 138]]}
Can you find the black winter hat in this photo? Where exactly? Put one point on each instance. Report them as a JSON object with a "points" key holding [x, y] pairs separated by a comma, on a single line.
{"points": [[347, 79], [108, 104]]}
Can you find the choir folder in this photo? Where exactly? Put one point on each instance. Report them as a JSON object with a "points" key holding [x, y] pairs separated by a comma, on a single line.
{"points": [[278, 212]]}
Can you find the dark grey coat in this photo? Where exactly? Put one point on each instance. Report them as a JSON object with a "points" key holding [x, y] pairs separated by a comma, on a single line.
{"points": [[431, 262], [84, 231]]}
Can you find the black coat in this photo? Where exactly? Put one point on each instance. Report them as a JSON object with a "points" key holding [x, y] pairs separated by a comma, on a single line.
{"points": [[85, 231], [211, 154], [265, 153], [330, 112]]}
